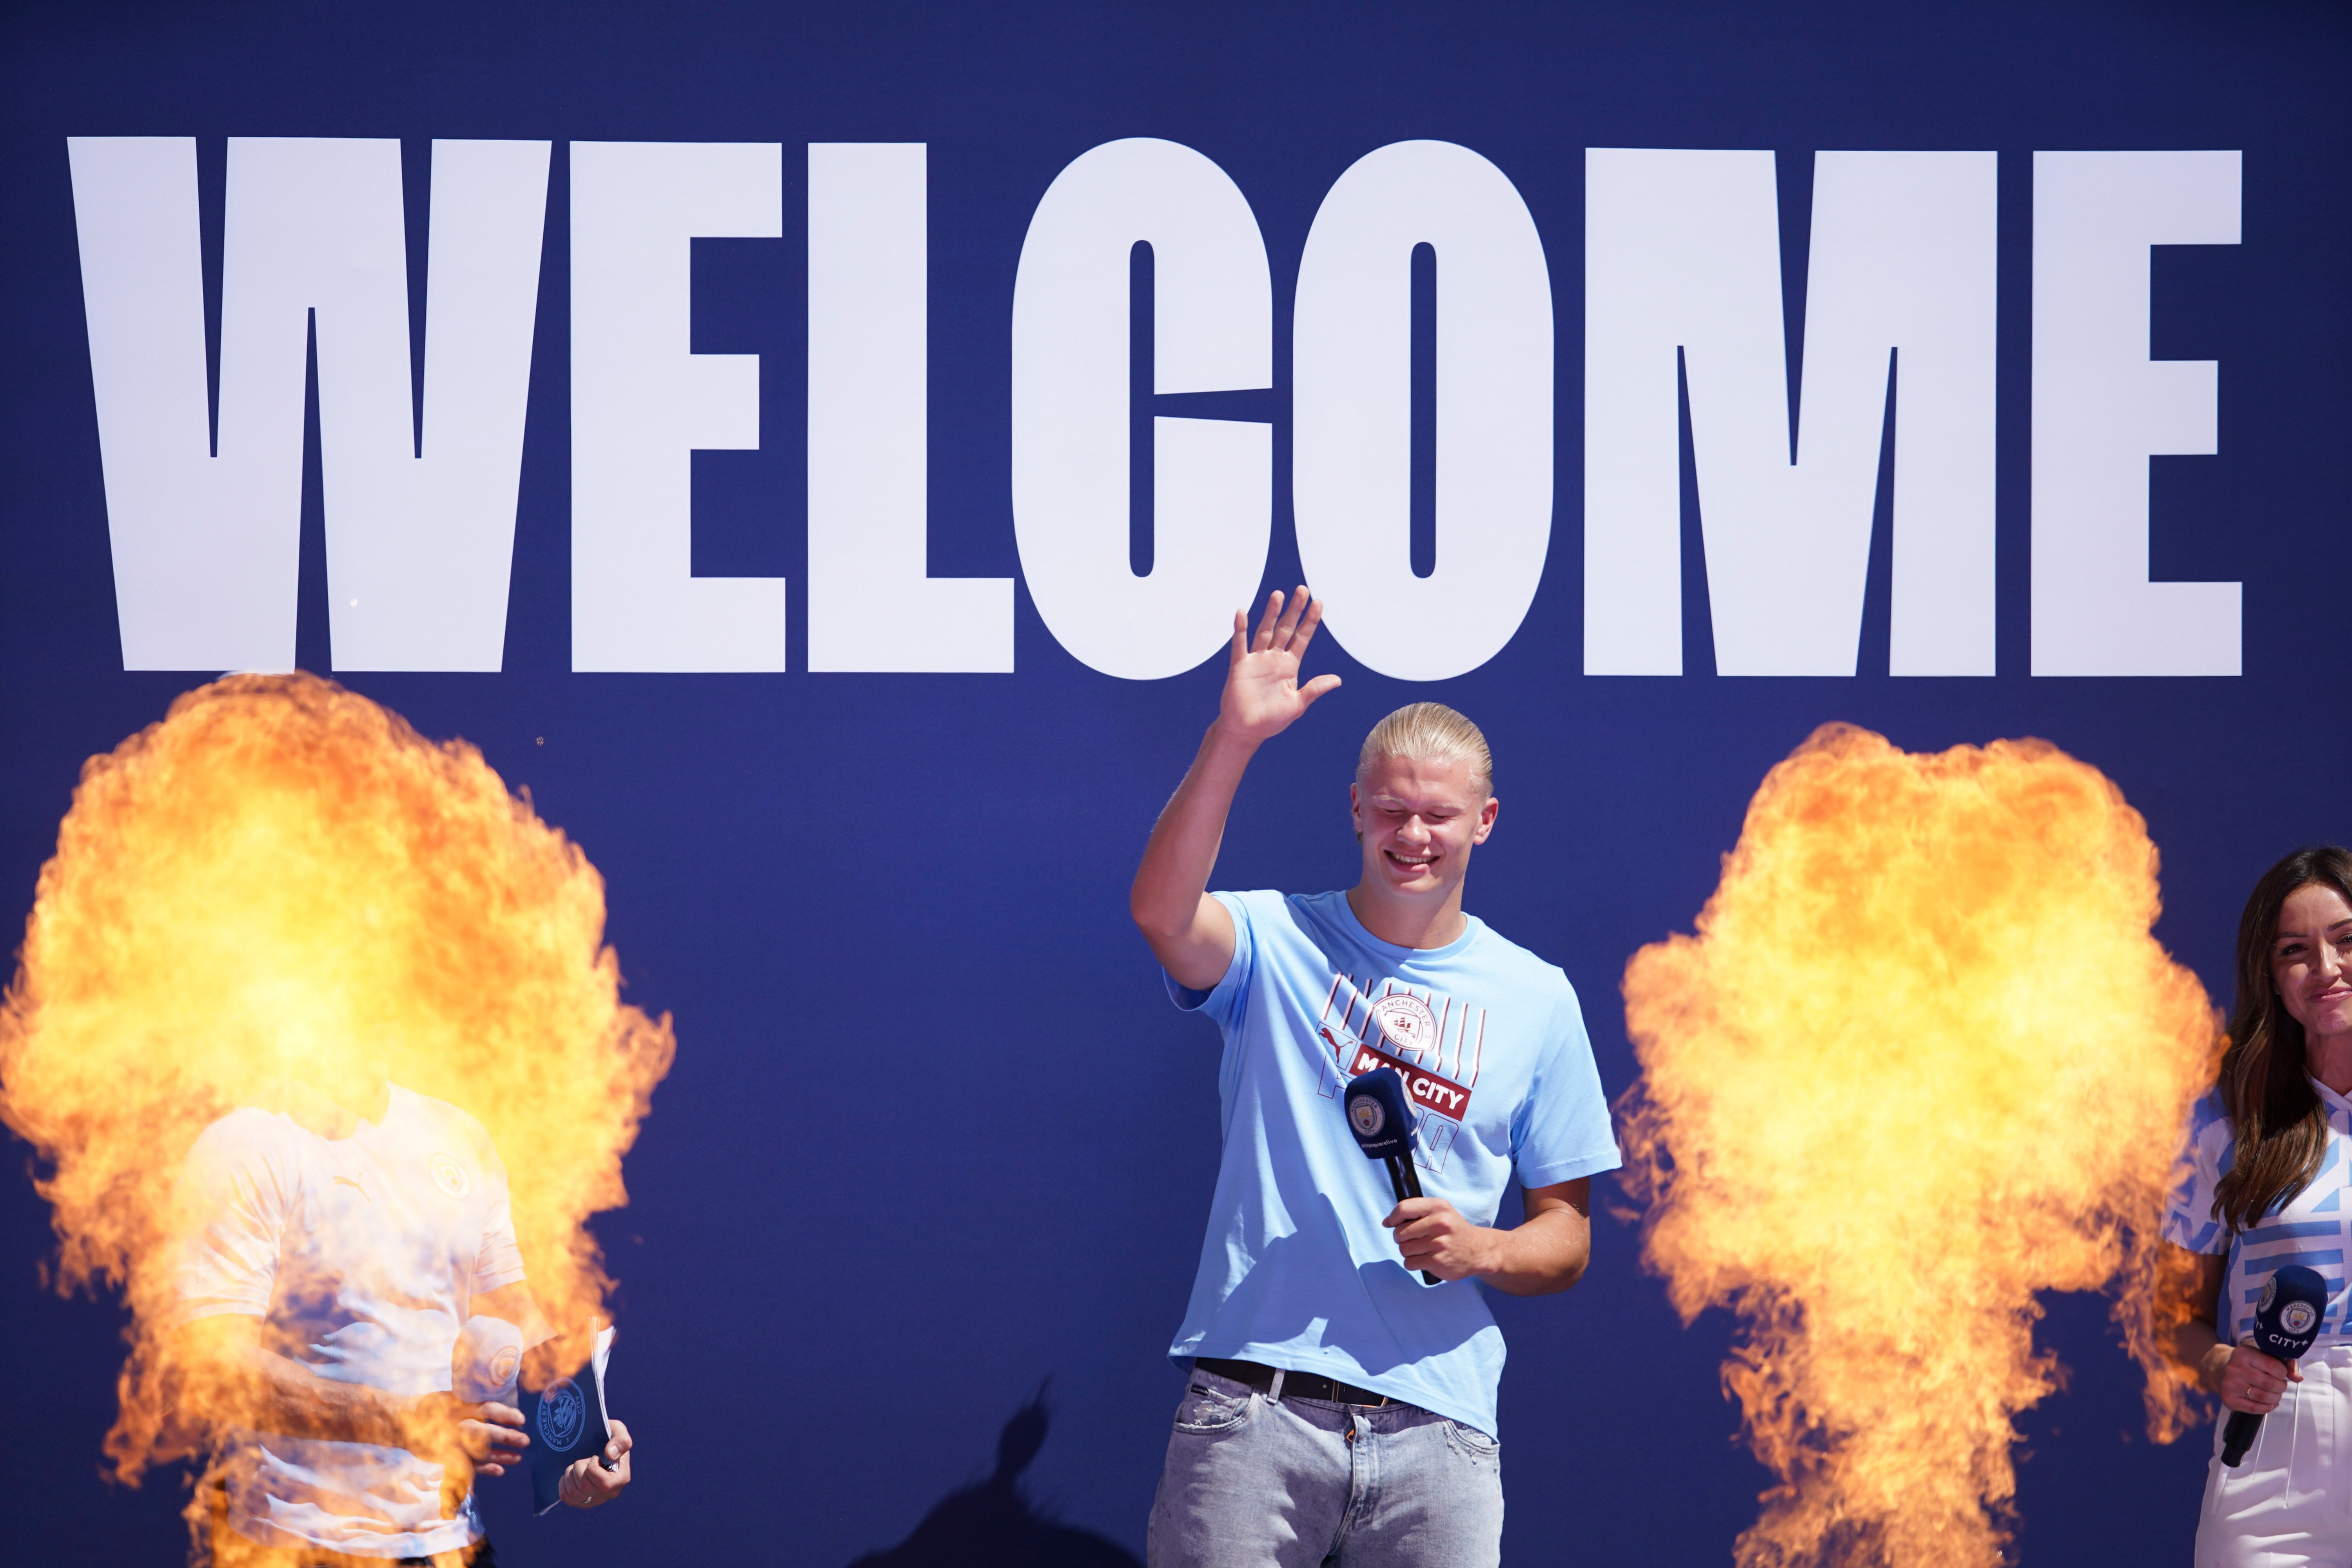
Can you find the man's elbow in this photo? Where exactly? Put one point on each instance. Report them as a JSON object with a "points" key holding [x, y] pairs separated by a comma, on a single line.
{"points": [[205, 1365], [1148, 918], [1549, 1278], [1566, 1276], [216, 1341], [1564, 1269], [1165, 925]]}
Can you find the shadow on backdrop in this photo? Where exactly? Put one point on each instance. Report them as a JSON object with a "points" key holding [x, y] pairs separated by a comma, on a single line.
{"points": [[992, 1524]]}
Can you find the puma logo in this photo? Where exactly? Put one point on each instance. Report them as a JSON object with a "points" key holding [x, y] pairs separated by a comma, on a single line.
{"points": [[347, 1182]]}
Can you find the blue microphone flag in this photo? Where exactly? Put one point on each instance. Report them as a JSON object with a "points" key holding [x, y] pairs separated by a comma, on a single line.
{"points": [[2288, 1318], [1378, 1116]]}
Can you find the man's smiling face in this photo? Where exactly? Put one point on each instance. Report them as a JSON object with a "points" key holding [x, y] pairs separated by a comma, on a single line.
{"points": [[1418, 819]]}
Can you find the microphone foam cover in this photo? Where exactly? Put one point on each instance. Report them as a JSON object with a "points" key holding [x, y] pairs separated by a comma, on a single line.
{"points": [[2288, 1317], [1377, 1114]]}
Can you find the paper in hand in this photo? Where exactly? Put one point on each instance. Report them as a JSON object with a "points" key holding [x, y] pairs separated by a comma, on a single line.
{"points": [[566, 1423]]}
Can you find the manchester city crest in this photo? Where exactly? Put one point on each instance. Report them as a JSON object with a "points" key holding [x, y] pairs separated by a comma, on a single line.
{"points": [[562, 1411], [2297, 1317], [1365, 1114], [1407, 1021], [448, 1176]]}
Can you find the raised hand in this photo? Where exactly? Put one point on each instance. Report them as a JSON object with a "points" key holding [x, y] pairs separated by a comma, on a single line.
{"points": [[1262, 696]]}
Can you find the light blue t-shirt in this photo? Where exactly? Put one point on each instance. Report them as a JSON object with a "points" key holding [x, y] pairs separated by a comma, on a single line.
{"points": [[1296, 1270]]}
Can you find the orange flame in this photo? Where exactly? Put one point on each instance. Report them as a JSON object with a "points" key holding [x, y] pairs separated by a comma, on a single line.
{"points": [[1922, 1060], [283, 886]]}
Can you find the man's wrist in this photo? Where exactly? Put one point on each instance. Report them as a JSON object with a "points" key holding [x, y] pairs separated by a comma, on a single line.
{"points": [[1232, 740], [399, 1419], [428, 1418]]}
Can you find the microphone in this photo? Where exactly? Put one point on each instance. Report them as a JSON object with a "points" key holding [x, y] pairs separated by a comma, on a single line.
{"points": [[2286, 1319], [1382, 1124]]}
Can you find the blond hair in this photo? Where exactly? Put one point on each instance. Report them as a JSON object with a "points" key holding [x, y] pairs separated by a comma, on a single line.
{"points": [[1428, 731]]}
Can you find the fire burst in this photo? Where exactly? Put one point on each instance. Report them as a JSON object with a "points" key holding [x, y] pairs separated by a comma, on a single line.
{"points": [[1921, 1060], [281, 885]]}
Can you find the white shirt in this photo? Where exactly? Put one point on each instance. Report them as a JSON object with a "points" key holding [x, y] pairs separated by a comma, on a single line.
{"points": [[362, 1255], [2312, 1229]]}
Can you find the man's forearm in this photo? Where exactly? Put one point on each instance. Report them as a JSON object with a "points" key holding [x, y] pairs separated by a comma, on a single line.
{"points": [[285, 1397], [1539, 1256], [1182, 850], [229, 1378]]}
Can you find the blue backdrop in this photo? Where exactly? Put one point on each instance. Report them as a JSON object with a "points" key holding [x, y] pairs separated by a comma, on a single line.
{"points": [[867, 897]]}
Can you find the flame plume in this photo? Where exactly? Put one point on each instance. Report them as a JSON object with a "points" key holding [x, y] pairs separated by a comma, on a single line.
{"points": [[1921, 1060], [283, 885]]}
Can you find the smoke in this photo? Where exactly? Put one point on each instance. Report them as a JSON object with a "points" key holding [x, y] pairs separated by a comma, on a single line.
{"points": [[283, 888], [1921, 1060]]}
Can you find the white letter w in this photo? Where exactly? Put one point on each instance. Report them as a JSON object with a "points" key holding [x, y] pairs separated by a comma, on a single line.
{"points": [[420, 521]]}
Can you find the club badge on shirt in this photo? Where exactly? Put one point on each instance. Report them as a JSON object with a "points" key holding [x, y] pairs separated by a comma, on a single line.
{"points": [[1406, 1020], [1437, 1053], [449, 1177]]}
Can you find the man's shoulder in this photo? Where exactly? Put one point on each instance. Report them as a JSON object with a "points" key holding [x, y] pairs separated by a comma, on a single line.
{"points": [[1268, 900], [452, 1120], [1271, 911], [248, 1130], [1520, 965], [432, 1110], [248, 1145]]}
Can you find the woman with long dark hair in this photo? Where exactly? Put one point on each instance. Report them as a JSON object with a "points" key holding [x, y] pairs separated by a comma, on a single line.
{"points": [[2266, 1181]]}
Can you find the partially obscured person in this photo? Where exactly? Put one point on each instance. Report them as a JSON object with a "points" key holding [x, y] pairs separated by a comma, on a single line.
{"points": [[2262, 1183], [349, 1259]]}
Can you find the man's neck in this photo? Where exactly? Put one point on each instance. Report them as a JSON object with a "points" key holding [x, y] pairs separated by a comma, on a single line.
{"points": [[1408, 922], [336, 1115]]}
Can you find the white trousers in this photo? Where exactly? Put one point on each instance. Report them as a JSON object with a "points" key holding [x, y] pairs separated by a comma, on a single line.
{"points": [[2289, 1502]]}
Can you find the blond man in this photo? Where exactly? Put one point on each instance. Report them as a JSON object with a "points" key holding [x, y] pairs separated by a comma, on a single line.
{"points": [[1341, 1409]]}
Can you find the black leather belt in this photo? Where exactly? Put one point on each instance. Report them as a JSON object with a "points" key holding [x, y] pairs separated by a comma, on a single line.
{"points": [[1303, 1384]]}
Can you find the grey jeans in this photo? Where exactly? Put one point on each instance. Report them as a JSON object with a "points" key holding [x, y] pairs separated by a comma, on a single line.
{"points": [[1304, 1483]]}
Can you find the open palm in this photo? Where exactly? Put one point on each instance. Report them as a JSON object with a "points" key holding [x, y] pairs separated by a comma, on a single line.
{"points": [[1262, 696]]}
